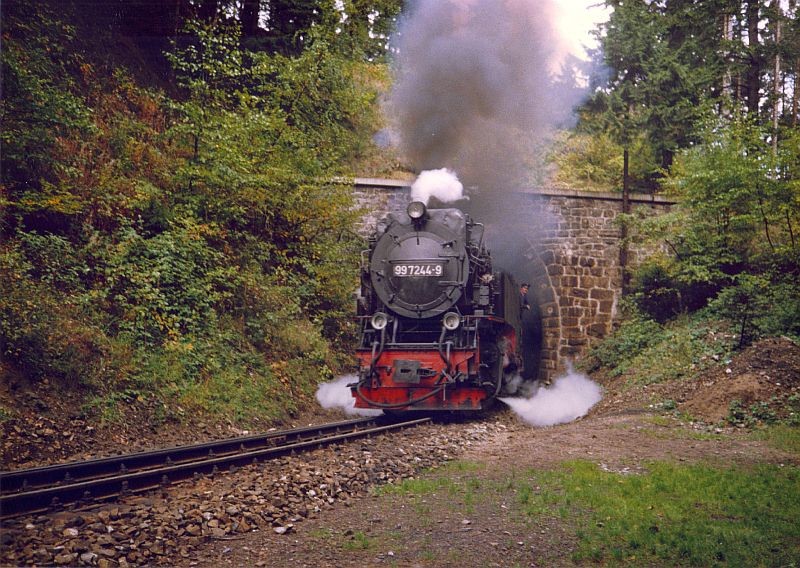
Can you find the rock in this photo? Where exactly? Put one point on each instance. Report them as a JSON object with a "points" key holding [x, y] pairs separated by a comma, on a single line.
{"points": [[65, 558], [280, 530], [70, 532], [88, 557]]}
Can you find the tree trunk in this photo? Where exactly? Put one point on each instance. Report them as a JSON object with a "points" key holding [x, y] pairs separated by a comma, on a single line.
{"points": [[776, 80], [626, 208], [727, 82], [795, 93], [754, 70], [183, 11], [248, 16], [208, 10]]}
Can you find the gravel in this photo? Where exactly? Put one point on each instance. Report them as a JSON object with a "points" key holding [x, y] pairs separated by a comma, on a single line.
{"points": [[156, 528]]}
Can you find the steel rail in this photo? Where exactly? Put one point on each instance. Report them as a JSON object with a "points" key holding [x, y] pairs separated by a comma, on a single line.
{"points": [[32, 478], [150, 470]]}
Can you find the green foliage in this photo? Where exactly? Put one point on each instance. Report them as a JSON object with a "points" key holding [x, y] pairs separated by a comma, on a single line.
{"points": [[760, 306], [656, 292], [593, 162], [163, 287], [635, 334], [648, 352], [80, 139], [259, 155], [680, 515], [663, 287], [658, 70], [778, 410], [40, 102], [43, 331], [732, 237], [735, 201], [193, 250]]}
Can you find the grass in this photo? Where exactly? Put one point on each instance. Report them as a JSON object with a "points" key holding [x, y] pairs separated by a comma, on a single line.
{"points": [[463, 492], [212, 377], [782, 437], [359, 541], [455, 478], [694, 515], [671, 515]]}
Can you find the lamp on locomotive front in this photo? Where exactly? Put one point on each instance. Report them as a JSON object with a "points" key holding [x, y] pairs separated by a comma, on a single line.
{"points": [[451, 321], [379, 320], [416, 210]]}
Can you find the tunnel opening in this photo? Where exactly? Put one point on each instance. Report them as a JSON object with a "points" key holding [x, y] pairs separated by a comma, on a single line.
{"points": [[531, 342]]}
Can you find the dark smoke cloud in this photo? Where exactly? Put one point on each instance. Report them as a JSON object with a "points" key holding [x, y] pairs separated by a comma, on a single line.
{"points": [[476, 92], [474, 89]]}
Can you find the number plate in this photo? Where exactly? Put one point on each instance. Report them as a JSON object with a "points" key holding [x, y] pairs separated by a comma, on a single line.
{"points": [[418, 269]]}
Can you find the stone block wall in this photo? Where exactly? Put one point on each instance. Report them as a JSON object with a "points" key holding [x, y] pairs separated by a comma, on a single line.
{"points": [[377, 198]]}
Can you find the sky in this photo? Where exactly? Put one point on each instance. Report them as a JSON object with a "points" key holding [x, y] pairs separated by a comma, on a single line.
{"points": [[576, 20]]}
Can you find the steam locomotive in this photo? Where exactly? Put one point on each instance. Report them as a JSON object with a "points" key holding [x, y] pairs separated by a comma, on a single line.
{"points": [[439, 328]]}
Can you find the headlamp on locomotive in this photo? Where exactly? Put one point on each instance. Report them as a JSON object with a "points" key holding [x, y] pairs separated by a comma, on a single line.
{"points": [[439, 329]]}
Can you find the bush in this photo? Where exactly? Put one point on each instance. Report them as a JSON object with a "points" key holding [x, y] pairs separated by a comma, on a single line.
{"points": [[651, 353], [42, 331], [655, 291], [163, 287], [635, 333], [763, 304], [189, 249]]}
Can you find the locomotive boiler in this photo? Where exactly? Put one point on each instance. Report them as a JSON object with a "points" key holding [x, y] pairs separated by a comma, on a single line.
{"points": [[439, 328]]}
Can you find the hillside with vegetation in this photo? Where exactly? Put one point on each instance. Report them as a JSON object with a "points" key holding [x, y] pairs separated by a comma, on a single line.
{"points": [[699, 102], [171, 230]]}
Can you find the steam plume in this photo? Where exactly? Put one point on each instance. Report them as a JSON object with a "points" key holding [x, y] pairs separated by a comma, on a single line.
{"points": [[441, 184], [569, 397], [335, 394]]}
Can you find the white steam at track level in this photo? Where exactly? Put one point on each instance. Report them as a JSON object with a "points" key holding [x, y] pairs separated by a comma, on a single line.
{"points": [[569, 397], [442, 184], [336, 395]]}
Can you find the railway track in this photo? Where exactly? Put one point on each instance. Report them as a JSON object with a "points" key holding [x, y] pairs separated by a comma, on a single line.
{"points": [[45, 488]]}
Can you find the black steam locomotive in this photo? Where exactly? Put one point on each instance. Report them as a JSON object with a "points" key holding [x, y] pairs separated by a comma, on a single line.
{"points": [[439, 328]]}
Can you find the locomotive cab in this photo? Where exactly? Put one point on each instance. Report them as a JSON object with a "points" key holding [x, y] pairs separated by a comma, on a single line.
{"points": [[438, 327]]}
